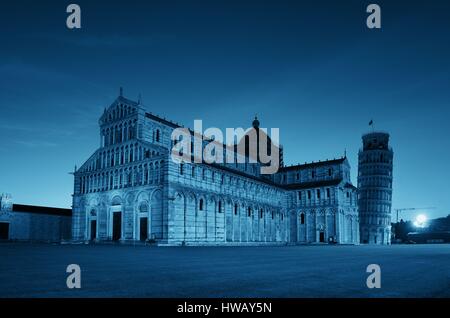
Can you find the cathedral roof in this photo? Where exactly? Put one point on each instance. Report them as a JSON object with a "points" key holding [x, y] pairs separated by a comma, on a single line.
{"points": [[313, 164], [126, 101], [161, 120], [41, 210], [349, 186], [313, 184], [246, 175]]}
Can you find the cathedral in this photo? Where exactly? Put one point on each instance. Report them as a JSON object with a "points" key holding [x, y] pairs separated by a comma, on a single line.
{"points": [[131, 190]]}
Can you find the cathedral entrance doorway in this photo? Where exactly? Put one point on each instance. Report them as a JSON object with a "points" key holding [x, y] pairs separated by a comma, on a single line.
{"points": [[117, 226], [4, 231], [322, 237], [93, 230], [143, 228]]}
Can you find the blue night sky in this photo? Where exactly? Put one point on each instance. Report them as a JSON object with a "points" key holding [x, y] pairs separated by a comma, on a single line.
{"points": [[312, 68]]}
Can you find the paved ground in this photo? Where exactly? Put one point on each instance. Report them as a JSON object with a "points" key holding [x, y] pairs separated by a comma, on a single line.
{"points": [[28, 270]]}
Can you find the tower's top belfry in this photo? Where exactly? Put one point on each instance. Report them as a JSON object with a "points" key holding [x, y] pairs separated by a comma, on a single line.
{"points": [[375, 141]]}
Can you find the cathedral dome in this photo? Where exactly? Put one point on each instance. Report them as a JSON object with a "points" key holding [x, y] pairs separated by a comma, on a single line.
{"points": [[250, 141], [255, 123]]}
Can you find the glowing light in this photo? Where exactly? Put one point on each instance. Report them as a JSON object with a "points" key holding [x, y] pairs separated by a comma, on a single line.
{"points": [[420, 221]]}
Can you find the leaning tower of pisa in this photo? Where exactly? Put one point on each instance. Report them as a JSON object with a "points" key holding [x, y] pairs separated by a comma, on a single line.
{"points": [[375, 188]]}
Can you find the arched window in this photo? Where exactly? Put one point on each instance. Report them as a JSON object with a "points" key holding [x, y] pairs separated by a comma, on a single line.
{"points": [[157, 135], [130, 131], [200, 205], [220, 206], [129, 178], [302, 218], [235, 209], [249, 212], [261, 213], [143, 208]]}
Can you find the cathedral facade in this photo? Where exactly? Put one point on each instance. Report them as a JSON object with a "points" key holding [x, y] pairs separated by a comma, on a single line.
{"points": [[130, 189]]}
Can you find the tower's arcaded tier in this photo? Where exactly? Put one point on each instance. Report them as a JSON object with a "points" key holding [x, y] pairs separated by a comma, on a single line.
{"points": [[375, 188]]}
